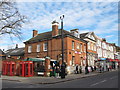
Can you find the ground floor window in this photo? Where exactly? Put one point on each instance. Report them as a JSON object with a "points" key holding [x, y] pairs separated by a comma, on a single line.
{"points": [[73, 60]]}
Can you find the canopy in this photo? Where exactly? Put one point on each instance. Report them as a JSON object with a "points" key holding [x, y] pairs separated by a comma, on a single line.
{"points": [[35, 59], [116, 60]]}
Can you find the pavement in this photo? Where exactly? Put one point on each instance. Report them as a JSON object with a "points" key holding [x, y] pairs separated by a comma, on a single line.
{"points": [[48, 80]]}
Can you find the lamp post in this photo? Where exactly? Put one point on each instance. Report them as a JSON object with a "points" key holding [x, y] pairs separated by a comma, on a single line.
{"points": [[62, 44]]}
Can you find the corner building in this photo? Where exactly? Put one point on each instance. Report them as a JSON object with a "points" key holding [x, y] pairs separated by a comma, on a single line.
{"points": [[48, 44]]}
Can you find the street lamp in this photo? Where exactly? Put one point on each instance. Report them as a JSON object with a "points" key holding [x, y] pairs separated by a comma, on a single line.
{"points": [[62, 41]]}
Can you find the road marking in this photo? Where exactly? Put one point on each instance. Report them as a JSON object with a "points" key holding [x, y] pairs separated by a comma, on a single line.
{"points": [[98, 83], [113, 77]]}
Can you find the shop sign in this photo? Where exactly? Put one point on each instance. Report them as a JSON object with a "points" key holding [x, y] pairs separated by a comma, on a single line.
{"points": [[102, 58]]}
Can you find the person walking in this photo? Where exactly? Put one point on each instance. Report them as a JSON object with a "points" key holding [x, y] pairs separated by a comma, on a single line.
{"points": [[100, 68], [80, 69], [86, 69], [57, 72], [51, 71], [76, 69], [91, 68], [94, 68]]}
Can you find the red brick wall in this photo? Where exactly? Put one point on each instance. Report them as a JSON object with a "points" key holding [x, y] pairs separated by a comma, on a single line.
{"points": [[54, 49]]}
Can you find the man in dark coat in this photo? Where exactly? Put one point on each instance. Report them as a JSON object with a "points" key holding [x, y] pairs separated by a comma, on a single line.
{"points": [[86, 69], [76, 69]]}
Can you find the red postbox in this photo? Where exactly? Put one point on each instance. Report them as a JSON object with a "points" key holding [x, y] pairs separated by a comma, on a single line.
{"points": [[4, 67], [11, 68], [28, 68], [22, 68]]}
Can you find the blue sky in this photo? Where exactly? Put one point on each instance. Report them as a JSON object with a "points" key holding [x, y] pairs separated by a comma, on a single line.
{"points": [[98, 17]]}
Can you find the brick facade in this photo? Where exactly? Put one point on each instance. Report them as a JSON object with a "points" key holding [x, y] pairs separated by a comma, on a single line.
{"points": [[53, 40], [54, 50]]}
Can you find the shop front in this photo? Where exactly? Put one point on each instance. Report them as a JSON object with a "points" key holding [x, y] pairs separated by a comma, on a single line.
{"points": [[101, 64], [114, 63], [39, 65]]}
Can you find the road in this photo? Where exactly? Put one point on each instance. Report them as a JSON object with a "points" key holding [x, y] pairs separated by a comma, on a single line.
{"points": [[104, 80]]}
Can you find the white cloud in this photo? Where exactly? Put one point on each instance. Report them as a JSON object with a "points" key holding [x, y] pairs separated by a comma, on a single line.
{"points": [[109, 36], [86, 17]]}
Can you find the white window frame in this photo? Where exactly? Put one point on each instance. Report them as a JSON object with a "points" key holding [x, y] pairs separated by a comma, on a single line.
{"points": [[81, 47], [38, 48], [78, 47], [84, 48], [29, 49], [73, 45], [44, 49], [88, 45]]}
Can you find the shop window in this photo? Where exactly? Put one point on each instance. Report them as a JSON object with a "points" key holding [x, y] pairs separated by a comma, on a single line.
{"points": [[73, 60]]}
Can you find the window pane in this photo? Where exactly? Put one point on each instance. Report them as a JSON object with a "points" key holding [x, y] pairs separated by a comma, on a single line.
{"points": [[38, 48], [73, 43], [29, 49], [45, 46]]}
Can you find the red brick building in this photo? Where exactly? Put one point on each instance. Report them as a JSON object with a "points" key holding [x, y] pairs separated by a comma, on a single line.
{"points": [[49, 44]]}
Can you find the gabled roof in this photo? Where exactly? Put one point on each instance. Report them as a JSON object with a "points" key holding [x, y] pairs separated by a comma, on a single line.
{"points": [[83, 35], [86, 35], [15, 52]]}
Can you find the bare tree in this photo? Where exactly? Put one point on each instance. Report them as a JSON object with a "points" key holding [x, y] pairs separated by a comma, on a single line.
{"points": [[10, 19]]}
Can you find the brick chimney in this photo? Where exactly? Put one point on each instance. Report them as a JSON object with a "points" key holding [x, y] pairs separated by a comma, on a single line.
{"points": [[35, 33], [55, 28], [16, 46]]}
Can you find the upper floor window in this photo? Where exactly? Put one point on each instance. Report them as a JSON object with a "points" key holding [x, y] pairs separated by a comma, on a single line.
{"points": [[73, 45], [78, 46], [38, 48], [29, 49], [84, 48], [81, 47], [45, 46], [94, 47], [88, 45]]}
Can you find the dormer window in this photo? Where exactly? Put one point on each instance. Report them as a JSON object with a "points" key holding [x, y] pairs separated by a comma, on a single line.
{"points": [[75, 33]]}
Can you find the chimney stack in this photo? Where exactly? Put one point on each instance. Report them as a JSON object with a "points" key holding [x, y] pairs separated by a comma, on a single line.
{"points": [[16, 46], [55, 28], [35, 33]]}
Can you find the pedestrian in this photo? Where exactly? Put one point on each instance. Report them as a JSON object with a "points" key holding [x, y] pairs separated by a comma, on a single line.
{"points": [[57, 71], [80, 69], [76, 69], [91, 68], [51, 71], [118, 66], [94, 68], [100, 68], [86, 69]]}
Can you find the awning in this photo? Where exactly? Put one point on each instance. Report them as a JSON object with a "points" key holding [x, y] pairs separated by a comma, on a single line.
{"points": [[102, 59], [35, 59], [115, 60]]}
